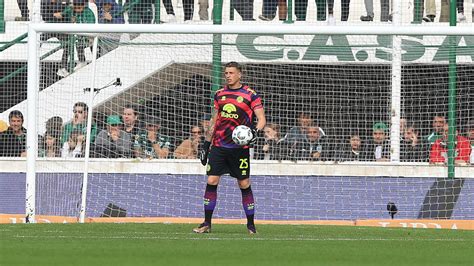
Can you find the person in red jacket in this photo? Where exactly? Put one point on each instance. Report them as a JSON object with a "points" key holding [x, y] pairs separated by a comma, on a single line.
{"points": [[439, 150]]}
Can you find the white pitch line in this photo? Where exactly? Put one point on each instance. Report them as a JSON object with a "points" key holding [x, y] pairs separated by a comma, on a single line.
{"points": [[251, 238]]}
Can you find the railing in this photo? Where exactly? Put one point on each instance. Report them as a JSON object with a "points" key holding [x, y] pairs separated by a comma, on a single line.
{"points": [[7, 45], [24, 68], [2, 16], [18, 39], [21, 38]]}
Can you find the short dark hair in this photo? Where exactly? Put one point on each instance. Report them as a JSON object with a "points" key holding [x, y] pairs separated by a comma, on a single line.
{"points": [[52, 133], [355, 134], [303, 114], [83, 105], [54, 125], [133, 107], [234, 64], [79, 2], [74, 133], [15, 113]]}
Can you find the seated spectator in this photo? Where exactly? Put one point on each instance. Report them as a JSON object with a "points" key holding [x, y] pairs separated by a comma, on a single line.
{"points": [[312, 147], [50, 147], [112, 142], [78, 13], [412, 148], [79, 122], [298, 133], [13, 140], [351, 151], [439, 150], [470, 136], [378, 147], [3, 126], [131, 124], [55, 126], [109, 13], [439, 122], [73, 148], [131, 121], [151, 143], [271, 147], [188, 149]]}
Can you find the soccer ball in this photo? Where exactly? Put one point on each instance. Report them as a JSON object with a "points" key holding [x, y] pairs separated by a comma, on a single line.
{"points": [[242, 135]]}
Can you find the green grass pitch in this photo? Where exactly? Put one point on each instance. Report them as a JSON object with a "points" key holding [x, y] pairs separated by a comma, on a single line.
{"points": [[175, 244]]}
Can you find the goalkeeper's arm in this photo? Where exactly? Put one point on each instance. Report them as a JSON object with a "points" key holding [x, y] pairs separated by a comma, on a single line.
{"points": [[261, 121], [204, 152]]}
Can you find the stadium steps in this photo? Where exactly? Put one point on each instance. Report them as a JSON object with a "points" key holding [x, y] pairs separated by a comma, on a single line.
{"points": [[146, 72]]}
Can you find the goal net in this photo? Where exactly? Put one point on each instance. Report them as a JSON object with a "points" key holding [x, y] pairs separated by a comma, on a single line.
{"points": [[357, 122]]}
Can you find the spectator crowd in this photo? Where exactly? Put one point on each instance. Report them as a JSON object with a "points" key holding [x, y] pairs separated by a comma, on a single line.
{"points": [[142, 11], [131, 136], [128, 135]]}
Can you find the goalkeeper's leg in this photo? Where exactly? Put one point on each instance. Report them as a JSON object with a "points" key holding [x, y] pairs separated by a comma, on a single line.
{"points": [[210, 201], [248, 204]]}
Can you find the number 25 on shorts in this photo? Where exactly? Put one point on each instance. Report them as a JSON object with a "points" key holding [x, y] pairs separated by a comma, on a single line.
{"points": [[244, 164]]}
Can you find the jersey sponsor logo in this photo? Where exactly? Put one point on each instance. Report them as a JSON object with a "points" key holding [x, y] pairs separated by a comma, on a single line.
{"points": [[229, 111], [229, 108]]}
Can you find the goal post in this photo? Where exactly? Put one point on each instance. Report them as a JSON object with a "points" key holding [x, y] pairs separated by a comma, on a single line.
{"points": [[353, 81]]}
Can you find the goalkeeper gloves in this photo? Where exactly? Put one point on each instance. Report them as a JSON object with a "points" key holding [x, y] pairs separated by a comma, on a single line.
{"points": [[254, 136], [204, 152]]}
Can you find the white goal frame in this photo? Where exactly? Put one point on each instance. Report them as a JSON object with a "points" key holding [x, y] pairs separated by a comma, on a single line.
{"points": [[33, 67]]}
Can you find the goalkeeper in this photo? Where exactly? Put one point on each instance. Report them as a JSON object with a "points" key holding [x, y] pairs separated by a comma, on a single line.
{"points": [[235, 104]]}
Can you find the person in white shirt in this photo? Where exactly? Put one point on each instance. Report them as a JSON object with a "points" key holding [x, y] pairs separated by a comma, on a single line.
{"points": [[73, 147]]}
